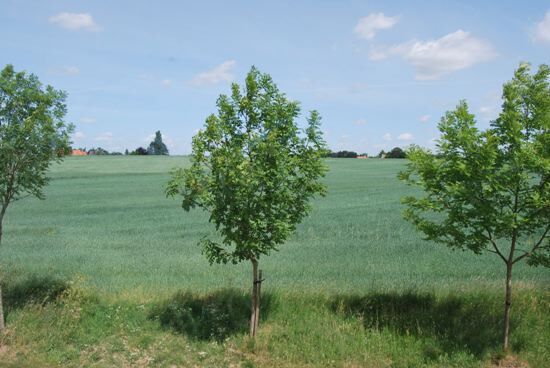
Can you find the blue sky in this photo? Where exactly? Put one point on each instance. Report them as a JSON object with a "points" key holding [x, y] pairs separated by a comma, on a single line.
{"points": [[381, 73]]}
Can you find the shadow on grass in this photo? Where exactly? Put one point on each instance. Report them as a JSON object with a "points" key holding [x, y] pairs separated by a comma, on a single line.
{"points": [[469, 324], [214, 316], [32, 290]]}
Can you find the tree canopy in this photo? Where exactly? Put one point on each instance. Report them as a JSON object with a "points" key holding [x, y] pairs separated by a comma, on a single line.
{"points": [[33, 134], [489, 191]]}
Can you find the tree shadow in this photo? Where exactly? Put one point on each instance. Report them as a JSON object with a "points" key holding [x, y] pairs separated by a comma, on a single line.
{"points": [[213, 316], [31, 290], [447, 325]]}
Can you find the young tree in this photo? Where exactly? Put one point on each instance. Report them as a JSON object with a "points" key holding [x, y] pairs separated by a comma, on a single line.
{"points": [[157, 147], [255, 171], [32, 136], [490, 189]]}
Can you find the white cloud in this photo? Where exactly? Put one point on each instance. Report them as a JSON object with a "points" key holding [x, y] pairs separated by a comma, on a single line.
{"points": [[70, 70], [64, 70], [386, 137], [221, 73], [542, 30], [75, 21], [405, 137], [435, 58], [166, 82], [360, 122], [87, 120], [104, 137], [367, 26], [79, 135], [425, 118]]}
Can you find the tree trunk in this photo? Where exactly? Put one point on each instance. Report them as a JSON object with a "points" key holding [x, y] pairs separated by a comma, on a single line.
{"points": [[2, 212], [2, 326], [507, 304], [255, 308]]}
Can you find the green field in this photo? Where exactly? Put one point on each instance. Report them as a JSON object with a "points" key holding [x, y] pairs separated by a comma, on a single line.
{"points": [[107, 224]]}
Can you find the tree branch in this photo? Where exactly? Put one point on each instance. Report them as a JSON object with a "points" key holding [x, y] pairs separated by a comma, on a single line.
{"points": [[535, 247], [496, 250]]}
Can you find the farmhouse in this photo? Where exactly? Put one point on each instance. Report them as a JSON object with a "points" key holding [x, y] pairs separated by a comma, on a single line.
{"points": [[77, 152]]}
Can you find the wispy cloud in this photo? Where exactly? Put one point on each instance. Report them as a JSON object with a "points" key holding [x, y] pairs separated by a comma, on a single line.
{"points": [[71, 70], [65, 70], [424, 118], [220, 73], [104, 137], [166, 83], [368, 26], [405, 137], [436, 58], [75, 21], [542, 30], [360, 122], [87, 120], [79, 135], [387, 137]]}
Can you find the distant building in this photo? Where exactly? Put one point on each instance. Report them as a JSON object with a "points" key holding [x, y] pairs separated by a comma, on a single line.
{"points": [[363, 156], [77, 152]]}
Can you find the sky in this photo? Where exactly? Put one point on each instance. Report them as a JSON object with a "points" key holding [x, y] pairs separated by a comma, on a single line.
{"points": [[381, 73]]}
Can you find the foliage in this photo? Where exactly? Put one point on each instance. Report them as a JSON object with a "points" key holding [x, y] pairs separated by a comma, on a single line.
{"points": [[33, 134], [157, 146], [253, 170]]}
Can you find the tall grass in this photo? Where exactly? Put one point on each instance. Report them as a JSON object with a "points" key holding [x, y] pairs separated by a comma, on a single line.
{"points": [[107, 219]]}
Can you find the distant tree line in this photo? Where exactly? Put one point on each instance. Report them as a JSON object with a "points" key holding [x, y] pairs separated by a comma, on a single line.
{"points": [[341, 154], [396, 152], [156, 147]]}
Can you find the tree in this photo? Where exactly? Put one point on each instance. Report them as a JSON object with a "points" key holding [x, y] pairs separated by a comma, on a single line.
{"points": [[396, 152], [255, 171], [381, 154], [157, 147], [490, 189], [140, 151], [32, 136]]}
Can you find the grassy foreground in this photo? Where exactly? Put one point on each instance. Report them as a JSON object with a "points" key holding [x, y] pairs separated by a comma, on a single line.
{"points": [[106, 272]]}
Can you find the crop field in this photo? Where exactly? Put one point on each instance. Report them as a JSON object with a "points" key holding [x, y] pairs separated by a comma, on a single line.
{"points": [[106, 259]]}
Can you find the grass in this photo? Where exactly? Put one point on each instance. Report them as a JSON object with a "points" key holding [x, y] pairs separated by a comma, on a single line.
{"points": [[355, 286]]}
